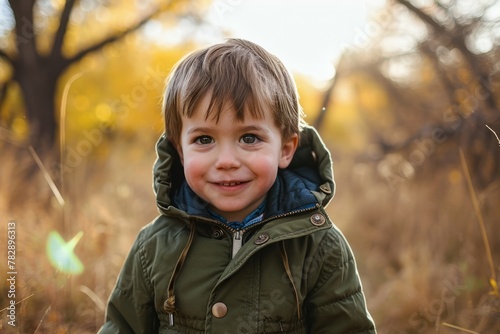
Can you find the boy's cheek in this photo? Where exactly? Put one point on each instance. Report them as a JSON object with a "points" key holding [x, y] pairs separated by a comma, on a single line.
{"points": [[193, 169]]}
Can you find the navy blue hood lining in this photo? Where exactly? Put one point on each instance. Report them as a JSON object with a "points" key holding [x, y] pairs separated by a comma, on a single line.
{"points": [[290, 192]]}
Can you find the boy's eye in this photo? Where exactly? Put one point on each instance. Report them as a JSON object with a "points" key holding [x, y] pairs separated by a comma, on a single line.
{"points": [[249, 139], [203, 140]]}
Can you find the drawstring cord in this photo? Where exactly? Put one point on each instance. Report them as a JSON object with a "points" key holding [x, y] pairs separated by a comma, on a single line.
{"points": [[284, 257], [169, 304]]}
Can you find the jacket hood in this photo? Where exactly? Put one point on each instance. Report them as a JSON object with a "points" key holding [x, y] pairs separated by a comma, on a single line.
{"points": [[311, 166], [305, 183]]}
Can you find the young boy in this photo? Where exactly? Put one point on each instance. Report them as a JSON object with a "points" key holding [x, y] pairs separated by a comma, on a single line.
{"points": [[243, 243]]}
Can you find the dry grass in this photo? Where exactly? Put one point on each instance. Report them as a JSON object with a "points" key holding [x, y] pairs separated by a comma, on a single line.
{"points": [[419, 247], [108, 200]]}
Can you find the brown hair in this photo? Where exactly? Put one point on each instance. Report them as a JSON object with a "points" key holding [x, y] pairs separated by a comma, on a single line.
{"points": [[238, 72]]}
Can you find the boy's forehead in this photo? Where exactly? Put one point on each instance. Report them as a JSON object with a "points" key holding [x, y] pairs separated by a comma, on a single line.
{"points": [[228, 113], [227, 110]]}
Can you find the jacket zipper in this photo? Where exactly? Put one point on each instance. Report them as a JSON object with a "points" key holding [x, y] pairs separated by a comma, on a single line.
{"points": [[237, 242], [238, 234]]}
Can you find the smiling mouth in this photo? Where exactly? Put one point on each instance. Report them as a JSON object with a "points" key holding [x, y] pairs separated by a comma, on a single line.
{"points": [[229, 184]]}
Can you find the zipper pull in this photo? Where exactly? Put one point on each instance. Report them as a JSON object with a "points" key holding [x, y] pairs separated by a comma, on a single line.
{"points": [[237, 242]]}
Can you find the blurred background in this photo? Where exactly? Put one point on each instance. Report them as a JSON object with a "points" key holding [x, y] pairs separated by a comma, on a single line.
{"points": [[405, 93]]}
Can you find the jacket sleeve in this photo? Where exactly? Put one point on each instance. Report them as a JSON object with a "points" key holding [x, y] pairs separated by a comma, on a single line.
{"points": [[130, 307], [336, 304]]}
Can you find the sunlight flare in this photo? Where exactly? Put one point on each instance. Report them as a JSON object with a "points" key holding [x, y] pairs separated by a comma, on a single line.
{"points": [[61, 253]]}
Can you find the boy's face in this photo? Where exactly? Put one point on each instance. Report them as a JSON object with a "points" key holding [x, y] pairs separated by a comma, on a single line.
{"points": [[232, 164]]}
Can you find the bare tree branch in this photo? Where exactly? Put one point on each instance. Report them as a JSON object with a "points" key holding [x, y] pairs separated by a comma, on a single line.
{"points": [[427, 131], [329, 92], [440, 5], [110, 39], [457, 39], [6, 57], [3, 93], [424, 17], [326, 99], [25, 32], [63, 27], [448, 85]]}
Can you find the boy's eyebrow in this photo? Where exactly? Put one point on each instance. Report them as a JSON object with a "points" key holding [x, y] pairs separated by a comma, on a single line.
{"points": [[253, 128], [242, 128], [199, 129]]}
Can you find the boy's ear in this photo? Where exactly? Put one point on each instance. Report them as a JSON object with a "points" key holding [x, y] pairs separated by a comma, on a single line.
{"points": [[288, 150]]}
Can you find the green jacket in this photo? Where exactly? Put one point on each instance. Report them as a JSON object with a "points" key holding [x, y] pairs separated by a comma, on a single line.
{"points": [[294, 272]]}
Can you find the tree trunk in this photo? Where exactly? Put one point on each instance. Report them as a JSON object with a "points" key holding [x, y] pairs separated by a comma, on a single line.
{"points": [[38, 74], [38, 86]]}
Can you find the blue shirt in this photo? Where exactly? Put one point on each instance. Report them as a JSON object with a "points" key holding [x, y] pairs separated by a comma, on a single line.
{"points": [[253, 218]]}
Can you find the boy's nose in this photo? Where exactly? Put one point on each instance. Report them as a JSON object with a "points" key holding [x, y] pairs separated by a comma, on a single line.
{"points": [[227, 157]]}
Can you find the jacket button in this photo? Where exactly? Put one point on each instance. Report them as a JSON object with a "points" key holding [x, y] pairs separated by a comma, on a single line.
{"points": [[317, 219], [217, 234], [261, 239], [219, 310], [325, 188]]}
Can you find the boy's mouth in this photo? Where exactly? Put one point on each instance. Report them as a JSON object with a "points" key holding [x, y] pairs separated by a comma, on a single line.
{"points": [[229, 184]]}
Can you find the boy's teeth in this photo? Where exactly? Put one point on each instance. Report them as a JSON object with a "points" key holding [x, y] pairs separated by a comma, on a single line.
{"points": [[230, 183]]}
